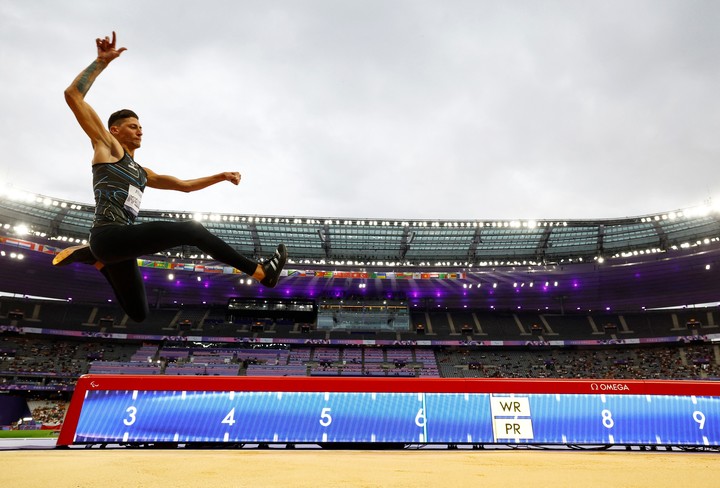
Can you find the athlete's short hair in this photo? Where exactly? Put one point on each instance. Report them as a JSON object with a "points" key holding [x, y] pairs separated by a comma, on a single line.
{"points": [[121, 114]]}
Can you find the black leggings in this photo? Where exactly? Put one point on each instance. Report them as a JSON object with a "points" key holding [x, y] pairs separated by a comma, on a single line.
{"points": [[119, 246]]}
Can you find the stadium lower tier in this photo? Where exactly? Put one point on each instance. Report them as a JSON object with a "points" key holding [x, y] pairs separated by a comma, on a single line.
{"points": [[37, 362]]}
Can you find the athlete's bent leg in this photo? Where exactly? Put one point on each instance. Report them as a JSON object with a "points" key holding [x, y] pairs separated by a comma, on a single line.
{"points": [[74, 254], [127, 283]]}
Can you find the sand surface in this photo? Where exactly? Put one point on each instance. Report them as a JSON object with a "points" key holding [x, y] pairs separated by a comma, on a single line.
{"points": [[119, 468]]}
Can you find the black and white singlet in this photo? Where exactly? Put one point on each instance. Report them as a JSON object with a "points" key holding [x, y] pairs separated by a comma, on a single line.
{"points": [[118, 189]]}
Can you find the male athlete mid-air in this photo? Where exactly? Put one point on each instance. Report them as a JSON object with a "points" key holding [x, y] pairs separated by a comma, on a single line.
{"points": [[118, 184]]}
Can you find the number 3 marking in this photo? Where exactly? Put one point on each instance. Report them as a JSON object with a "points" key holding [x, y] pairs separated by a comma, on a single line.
{"points": [[131, 411]]}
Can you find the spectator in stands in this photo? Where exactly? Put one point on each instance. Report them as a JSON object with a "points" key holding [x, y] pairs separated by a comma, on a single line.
{"points": [[118, 183]]}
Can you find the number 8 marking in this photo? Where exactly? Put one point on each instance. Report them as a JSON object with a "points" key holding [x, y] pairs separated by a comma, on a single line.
{"points": [[607, 419]]}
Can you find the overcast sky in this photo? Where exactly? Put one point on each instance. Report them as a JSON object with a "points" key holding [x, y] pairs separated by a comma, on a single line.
{"points": [[379, 108]]}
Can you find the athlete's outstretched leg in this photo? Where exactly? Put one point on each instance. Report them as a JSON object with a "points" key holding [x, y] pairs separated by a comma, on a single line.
{"points": [[117, 243]]}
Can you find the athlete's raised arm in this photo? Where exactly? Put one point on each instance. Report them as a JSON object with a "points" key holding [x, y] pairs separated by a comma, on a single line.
{"points": [[167, 182], [105, 145]]}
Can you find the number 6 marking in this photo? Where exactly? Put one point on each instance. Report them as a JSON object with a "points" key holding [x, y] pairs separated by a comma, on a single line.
{"points": [[131, 411], [420, 418]]}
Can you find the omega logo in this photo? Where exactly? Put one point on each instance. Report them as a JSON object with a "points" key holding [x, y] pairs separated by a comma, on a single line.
{"points": [[609, 387]]}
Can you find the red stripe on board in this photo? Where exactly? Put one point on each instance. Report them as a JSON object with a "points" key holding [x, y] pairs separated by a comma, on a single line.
{"points": [[379, 385]]}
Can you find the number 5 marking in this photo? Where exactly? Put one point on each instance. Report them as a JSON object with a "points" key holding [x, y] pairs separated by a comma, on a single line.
{"points": [[325, 418], [131, 411]]}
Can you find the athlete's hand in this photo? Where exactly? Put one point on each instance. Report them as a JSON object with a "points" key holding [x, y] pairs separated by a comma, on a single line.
{"points": [[106, 48], [233, 177]]}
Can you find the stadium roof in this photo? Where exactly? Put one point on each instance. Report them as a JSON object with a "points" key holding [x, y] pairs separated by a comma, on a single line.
{"points": [[663, 259], [397, 243]]}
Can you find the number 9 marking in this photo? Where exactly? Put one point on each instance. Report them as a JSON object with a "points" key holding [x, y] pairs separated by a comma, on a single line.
{"points": [[131, 411], [699, 417]]}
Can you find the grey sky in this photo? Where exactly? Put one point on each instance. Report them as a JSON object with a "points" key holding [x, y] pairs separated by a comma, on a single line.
{"points": [[379, 108]]}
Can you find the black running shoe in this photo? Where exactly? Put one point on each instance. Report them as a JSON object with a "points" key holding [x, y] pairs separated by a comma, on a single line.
{"points": [[273, 266], [75, 254]]}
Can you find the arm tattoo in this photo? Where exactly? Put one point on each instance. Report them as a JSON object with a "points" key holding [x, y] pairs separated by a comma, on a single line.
{"points": [[87, 77]]}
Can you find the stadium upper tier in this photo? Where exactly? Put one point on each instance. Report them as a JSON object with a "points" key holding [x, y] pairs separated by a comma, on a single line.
{"points": [[650, 261], [384, 243]]}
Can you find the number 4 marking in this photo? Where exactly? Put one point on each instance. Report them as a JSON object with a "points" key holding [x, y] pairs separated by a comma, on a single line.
{"points": [[229, 418]]}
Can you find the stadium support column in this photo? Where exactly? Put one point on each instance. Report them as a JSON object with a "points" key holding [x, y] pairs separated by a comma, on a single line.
{"points": [[405, 241], [257, 248], [543, 245], [600, 241], [324, 235], [477, 239]]}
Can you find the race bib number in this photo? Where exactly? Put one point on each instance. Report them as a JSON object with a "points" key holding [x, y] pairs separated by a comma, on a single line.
{"points": [[133, 200]]}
